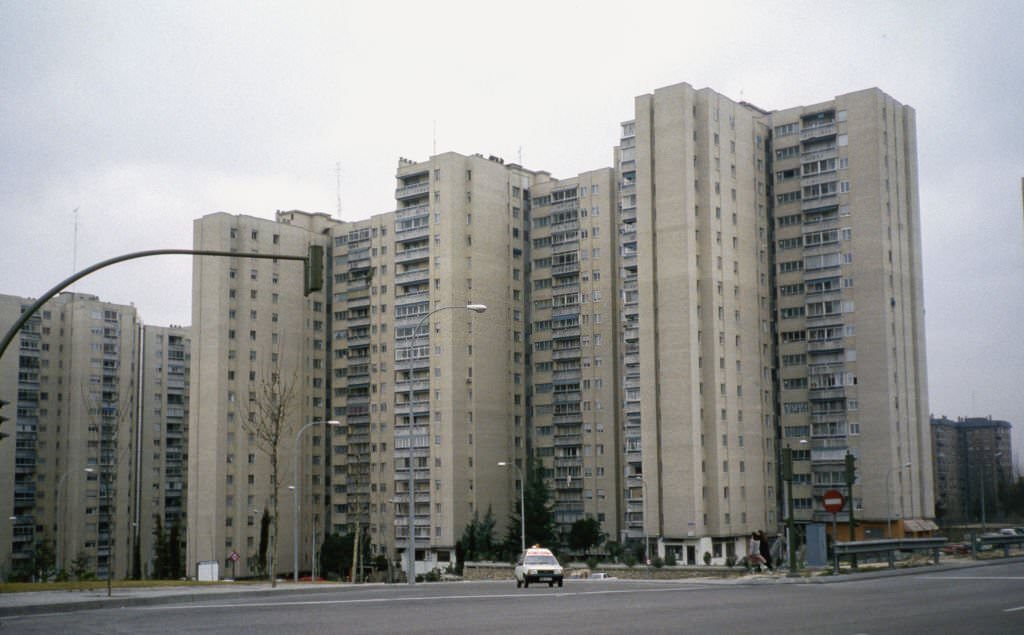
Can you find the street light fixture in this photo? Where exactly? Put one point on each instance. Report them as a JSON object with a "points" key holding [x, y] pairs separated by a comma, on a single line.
{"points": [[410, 552], [295, 494], [522, 504], [888, 499]]}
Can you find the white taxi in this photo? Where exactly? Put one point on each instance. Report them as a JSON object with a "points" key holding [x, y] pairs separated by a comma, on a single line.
{"points": [[538, 565]]}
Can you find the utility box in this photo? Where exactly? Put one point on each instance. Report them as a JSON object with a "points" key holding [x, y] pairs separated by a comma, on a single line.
{"points": [[209, 571]]}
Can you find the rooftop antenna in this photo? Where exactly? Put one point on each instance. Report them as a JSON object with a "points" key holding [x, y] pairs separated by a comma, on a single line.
{"points": [[74, 249], [337, 175], [434, 153], [520, 156]]}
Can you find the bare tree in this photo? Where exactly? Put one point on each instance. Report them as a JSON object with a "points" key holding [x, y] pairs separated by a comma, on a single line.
{"points": [[267, 420]]}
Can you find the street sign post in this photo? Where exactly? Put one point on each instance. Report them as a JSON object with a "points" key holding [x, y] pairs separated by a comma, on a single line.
{"points": [[833, 502]]}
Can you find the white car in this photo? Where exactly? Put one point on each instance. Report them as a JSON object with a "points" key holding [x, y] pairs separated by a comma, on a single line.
{"points": [[538, 565]]}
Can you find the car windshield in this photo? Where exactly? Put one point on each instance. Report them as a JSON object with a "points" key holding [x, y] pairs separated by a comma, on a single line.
{"points": [[540, 560]]}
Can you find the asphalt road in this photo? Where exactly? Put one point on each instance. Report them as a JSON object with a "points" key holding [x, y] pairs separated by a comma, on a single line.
{"points": [[975, 600]]}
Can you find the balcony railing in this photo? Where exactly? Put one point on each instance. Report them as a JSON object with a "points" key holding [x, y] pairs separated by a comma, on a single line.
{"points": [[826, 130], [416, 189]]}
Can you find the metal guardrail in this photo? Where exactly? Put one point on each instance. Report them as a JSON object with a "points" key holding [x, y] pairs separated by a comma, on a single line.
{"points": [[889, 548], [997, 541]]}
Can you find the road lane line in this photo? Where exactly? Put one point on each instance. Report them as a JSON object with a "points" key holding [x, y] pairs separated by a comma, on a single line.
{"points": [[431, 598], [973, 577]]}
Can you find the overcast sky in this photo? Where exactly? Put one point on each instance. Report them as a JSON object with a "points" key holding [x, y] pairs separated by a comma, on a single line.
{"points": [[147, 115]]}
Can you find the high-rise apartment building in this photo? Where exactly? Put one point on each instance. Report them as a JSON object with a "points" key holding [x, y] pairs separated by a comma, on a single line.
{"points": [[366, 355], [741, 281], [850, 317], [697, 304], [258, 374], [571, 304], [162, 448], [973, 463], [68, 476]]}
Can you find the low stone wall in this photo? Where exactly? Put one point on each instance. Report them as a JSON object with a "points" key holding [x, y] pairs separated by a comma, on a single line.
{"points": [[504, 571]]}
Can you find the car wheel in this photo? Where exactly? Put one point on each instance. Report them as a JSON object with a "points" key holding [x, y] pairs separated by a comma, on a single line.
{"points": [[559, 583], [526, 584], [551, 584]]}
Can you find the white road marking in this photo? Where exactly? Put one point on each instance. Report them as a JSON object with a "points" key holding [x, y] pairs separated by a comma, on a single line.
{"points": [[431, 598]]}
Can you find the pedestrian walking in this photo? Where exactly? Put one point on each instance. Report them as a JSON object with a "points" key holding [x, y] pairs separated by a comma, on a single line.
{"points": [[754, 557]]}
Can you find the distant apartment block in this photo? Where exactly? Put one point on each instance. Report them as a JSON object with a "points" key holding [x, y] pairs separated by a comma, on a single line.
{"points": [[973, 463]]}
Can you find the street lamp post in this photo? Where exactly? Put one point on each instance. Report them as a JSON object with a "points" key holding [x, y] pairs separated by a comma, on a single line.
{"points": [[888, 499], [410, 555], [522, 504], [295, 494], [982, 472]]}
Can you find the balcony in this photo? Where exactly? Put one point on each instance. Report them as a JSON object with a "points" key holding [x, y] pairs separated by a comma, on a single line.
{"points": [[410, 191], [826, 394], [819, 155], [822, 346], [413, 254], [818, 132], [566, 353], [817, 179], [567, 375], [569, 440], [563, 333], [568, 267], [568, 309], [407, 213], [412, 275], [568, 397]]}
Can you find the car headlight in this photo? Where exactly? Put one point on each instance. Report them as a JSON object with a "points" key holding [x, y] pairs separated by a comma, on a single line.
{"points": [[532, 572]]}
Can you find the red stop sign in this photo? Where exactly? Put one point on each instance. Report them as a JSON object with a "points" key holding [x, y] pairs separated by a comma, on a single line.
{"points": [[833, 501]]}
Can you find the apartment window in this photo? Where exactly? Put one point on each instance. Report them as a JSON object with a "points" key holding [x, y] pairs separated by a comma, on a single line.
{"points": [[787, 129]]}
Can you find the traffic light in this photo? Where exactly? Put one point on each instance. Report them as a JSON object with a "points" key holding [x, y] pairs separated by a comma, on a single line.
{"points": [[3, 402], [851, 473], [787, 464], [313, 268]]}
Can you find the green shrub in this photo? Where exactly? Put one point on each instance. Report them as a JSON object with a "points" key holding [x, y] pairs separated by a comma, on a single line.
{"points": [[670, 559], [658, 562], [707, 557]]}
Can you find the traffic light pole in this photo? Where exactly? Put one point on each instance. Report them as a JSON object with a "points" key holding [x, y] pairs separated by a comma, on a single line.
{"points": [[787, 475], [313, 275]]}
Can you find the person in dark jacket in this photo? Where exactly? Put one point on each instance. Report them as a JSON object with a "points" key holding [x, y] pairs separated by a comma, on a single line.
{"points": [[765, 549]]}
